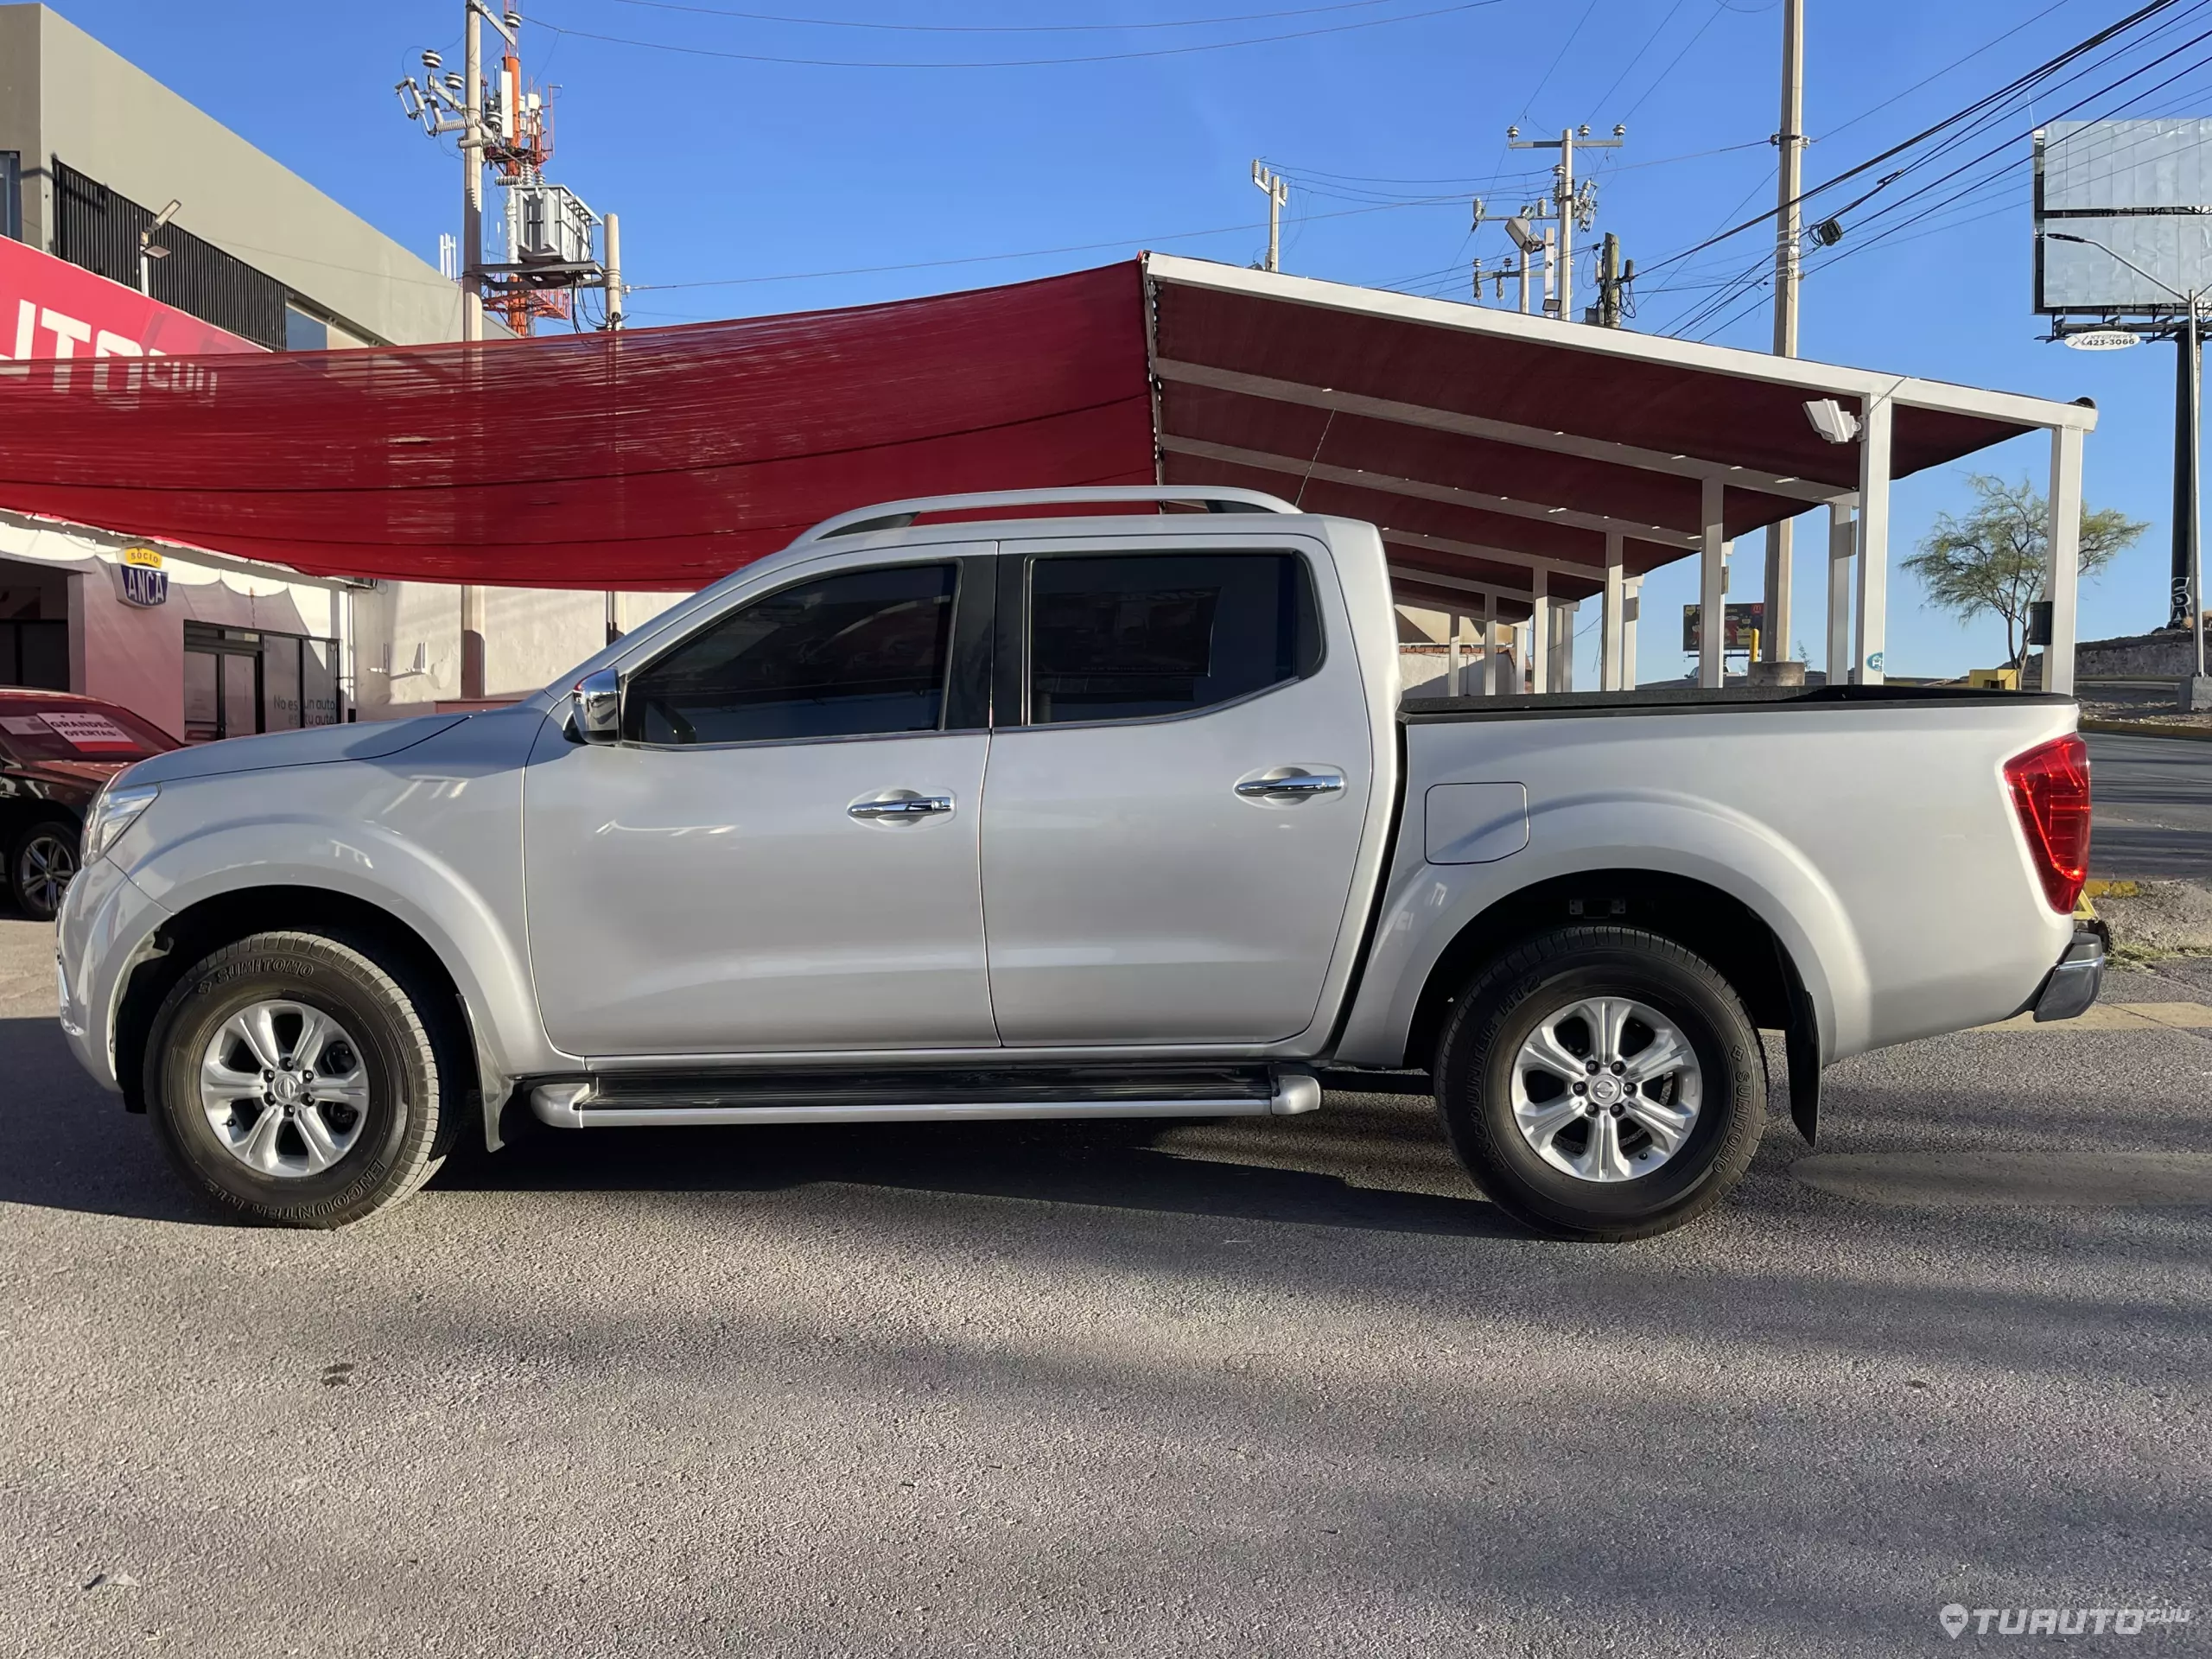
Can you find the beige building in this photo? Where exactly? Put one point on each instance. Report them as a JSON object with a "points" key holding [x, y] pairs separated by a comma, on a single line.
{"points": [[91, 148]]}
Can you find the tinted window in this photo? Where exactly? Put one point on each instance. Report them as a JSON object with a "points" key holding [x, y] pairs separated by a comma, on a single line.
{"points": [[1163, 633], [843, 656]]}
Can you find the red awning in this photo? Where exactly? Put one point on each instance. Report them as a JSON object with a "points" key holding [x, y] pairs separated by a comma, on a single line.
{"points": [[655, 458], [1497, 451]]}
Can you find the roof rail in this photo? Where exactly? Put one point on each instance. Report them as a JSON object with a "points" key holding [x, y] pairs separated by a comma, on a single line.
{"points": [[897, 515]]}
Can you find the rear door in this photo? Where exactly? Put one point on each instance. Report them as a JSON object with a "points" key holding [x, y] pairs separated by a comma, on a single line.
{"points": [[1177, 786]]}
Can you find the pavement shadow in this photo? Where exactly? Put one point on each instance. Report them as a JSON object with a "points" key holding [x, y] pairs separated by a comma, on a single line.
{"points": [[67, 1144]]}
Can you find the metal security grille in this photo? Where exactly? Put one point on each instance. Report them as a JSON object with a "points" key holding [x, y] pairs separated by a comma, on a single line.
{"points": [[98, 228]]}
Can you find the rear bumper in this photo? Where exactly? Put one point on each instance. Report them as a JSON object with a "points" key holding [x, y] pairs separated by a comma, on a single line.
{"points": [[2070, 988]]}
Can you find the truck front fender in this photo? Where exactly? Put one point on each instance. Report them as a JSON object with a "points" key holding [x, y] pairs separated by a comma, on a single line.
{"points": [[454, 916]]}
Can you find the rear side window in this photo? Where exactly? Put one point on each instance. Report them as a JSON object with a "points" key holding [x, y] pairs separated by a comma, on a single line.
{"points": [[848, 656], [1141, 635]]}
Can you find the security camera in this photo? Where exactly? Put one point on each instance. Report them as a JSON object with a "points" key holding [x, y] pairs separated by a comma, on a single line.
{"points": [[1832, 420]]}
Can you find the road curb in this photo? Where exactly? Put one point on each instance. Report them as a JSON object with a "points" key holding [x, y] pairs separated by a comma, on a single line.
{"points": [[2143, 728]]}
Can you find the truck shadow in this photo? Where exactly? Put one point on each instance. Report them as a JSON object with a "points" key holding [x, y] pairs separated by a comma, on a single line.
{"points": [[1240, 1169], [67, 1144]]}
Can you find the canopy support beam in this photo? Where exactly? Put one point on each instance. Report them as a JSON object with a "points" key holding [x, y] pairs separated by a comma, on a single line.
{"points": [[1613, 619], [1712, 591], [1875, 427], [1477, 426], [2062, 578], [1843, 547]]}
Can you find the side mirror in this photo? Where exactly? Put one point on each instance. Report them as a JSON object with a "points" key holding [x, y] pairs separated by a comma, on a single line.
{"points": [[599, 707]]}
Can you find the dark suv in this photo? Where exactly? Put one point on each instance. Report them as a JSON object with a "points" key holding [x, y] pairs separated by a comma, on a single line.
{"points": [[56, 750]]}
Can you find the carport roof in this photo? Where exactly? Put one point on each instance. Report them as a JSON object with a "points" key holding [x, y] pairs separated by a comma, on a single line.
{"points": [[1490, 447], [1489, 444]]}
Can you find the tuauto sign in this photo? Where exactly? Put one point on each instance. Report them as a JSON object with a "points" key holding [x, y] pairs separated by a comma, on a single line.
{"points": [[50, 309]]}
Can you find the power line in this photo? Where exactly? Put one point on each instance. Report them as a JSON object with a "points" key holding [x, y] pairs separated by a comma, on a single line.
{"points": [[1929, 218], [1010, 63], [1003, 28], [1028, 253], [1558, 58], [1661, 79], [1636, 58], [1979, 106], [1987, 45]]}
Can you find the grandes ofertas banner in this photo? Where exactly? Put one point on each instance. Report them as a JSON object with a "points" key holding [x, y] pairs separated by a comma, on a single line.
{"points": [[51, 309]]}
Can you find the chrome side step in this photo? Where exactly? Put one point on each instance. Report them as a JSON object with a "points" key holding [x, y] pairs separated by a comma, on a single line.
{"points": [[665, 1100]]}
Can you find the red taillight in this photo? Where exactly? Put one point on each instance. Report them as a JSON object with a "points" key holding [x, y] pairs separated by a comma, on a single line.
{"points": [[2050, 790]]}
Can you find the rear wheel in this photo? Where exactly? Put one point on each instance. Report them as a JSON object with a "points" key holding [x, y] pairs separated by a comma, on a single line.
{"points": [[41, 863], [297, 1079], [1602, 1083]]}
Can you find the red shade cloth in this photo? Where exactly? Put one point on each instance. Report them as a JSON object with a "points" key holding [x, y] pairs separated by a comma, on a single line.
{"points": [[655, 458]]}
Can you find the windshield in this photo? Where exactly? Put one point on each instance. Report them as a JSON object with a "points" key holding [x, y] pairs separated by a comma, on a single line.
{"points": [[78, 731]]}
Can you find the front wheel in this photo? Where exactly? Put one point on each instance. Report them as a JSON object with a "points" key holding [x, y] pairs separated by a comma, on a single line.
{"points": [[1602, 1083], [295, 1078]]}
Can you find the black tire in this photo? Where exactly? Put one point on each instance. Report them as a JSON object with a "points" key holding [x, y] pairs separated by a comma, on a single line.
{"points": [[409, 1063], [42, 860], [1500, 1010]]}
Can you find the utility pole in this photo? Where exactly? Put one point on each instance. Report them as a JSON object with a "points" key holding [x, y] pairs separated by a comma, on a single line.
{"points": [[1278, 192], [472, 300], [548, 229], [1790, 140], [613, 271], [1573, 206], [1612, 278]]}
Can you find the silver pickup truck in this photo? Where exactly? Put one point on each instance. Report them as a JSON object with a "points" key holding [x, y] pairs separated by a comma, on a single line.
{"points": [[1008, 814]]}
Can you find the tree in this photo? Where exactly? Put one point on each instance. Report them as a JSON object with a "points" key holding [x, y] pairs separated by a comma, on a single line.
{"points": [[1990, 561]]}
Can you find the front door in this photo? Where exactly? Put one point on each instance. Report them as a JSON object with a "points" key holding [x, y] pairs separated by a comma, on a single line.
{"points": [[1178, 784], [780, 854]]}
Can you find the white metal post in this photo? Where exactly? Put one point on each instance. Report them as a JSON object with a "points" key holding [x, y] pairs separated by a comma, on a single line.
{"points": [[1540, 633], [2063, 575], [1873, 540], [1615, 617], [1713, 592], [1490, 645], [1451, 655], [1632, 611], [1843, 543]]}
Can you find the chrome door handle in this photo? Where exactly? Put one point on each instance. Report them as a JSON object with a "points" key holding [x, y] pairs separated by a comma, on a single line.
{"points": [[901, 808], [1297, 786]]}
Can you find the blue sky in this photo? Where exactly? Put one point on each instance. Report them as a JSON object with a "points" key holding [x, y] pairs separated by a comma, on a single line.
{"points": [[725, 167]]}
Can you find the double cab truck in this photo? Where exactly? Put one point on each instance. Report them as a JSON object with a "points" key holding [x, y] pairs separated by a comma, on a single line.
{"points": [[965, 808]]}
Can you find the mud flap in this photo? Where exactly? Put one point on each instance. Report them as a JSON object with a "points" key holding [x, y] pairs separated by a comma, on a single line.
{"points": [[1802, 1048]]}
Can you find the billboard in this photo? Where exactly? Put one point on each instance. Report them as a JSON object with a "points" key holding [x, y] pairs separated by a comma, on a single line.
{"points": [[2142, 191], [1739, 625], [51, 309]]}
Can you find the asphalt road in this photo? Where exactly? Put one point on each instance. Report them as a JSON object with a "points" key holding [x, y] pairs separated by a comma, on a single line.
{"points": [[2153, 801], [1289, 1387]]}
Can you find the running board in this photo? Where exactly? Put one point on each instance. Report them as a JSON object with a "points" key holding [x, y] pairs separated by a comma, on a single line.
{"points": [[661, 1100]]}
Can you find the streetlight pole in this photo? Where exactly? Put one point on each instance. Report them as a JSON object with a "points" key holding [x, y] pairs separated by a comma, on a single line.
{"points": [[2188, 508]]}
